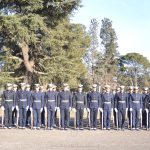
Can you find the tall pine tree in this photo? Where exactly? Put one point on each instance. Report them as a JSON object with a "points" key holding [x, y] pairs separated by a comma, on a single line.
{"points": [[32, 32]]}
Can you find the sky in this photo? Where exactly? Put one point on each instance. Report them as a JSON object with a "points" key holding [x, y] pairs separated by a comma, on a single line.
{"points": [[130, 19]]}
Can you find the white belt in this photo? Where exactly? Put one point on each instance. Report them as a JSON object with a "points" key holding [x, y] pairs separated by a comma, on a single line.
{"points": [[37, 101], [65, 101], [107, 102], [136, 102], [23, 100], [79, 102], [121, 101], [8, 100], [51, 100], [94, 101]]}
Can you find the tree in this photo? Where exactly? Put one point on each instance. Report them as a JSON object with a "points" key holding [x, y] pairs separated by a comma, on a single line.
{"points": [[66, 61], [134, 69], [27, 34], [107, 63], [91, 54]]}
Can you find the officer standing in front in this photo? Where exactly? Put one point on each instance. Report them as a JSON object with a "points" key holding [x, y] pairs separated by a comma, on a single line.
{"points": [[80, 103], [65, 104], [36, 106], [22, 105], [8, 102], [121, 106], [107, 105], [93, 104], [135, 106], [51, 105]]}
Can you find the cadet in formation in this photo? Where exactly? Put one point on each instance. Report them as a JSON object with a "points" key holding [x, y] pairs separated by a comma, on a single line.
{"points": [[8, 103], [107, 104], [15, 113], [80, 104], [121, 107], [36, 104], [144, 114], [135, 106], [147, 110], [19, 101], [22, 105], [93, 106], [65, 105], [28, 90], [50, 105]]}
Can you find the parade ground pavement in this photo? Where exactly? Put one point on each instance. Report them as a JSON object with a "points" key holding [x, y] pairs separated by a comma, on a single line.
{"points": [[18, 139]]}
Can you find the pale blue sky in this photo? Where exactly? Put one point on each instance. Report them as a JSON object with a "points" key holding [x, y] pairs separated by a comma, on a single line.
{"points": [[131, 20]]}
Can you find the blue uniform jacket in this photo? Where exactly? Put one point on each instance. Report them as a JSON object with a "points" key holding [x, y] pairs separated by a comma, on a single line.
{"points": [[121, 101], [64, 99], [135, 101], [22, 99], [107, 101], [36, 100], [51, 100], [147, 102], [8, 99], [94, 99], [80, 100]]}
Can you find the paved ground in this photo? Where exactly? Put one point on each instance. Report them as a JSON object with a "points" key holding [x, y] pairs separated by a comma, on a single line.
{"points": [[77, 140]]}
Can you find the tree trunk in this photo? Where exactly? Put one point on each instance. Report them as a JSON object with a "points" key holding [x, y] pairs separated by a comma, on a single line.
{"points": [[27, 63]]}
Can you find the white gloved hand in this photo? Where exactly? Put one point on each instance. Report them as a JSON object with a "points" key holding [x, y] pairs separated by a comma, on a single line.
{"points": [[70, 108], [140, 110], [31, 109], [41, 109], [85, 109], [13, 108], [2, 107], [116, 110], [146, 110], [27, 108], [74, 110], [58, 108], [131, 109], [45, 108], [88, 109], [17, 108], [55, 108], [112, 110], [100, 109]]}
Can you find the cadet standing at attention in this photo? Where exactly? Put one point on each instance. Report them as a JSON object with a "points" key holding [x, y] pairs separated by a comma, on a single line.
{"points": [[65, 104], [121, 106], [93, 104], [51, 105], [22, 105], [107, 105], [14, 113], [8, 103], [36, 105], [28, 90], [144, 95], [80, 103], [135, 105]]}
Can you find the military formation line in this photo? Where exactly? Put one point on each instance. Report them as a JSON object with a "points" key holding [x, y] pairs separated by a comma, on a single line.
{"points": [[125, 109]]}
